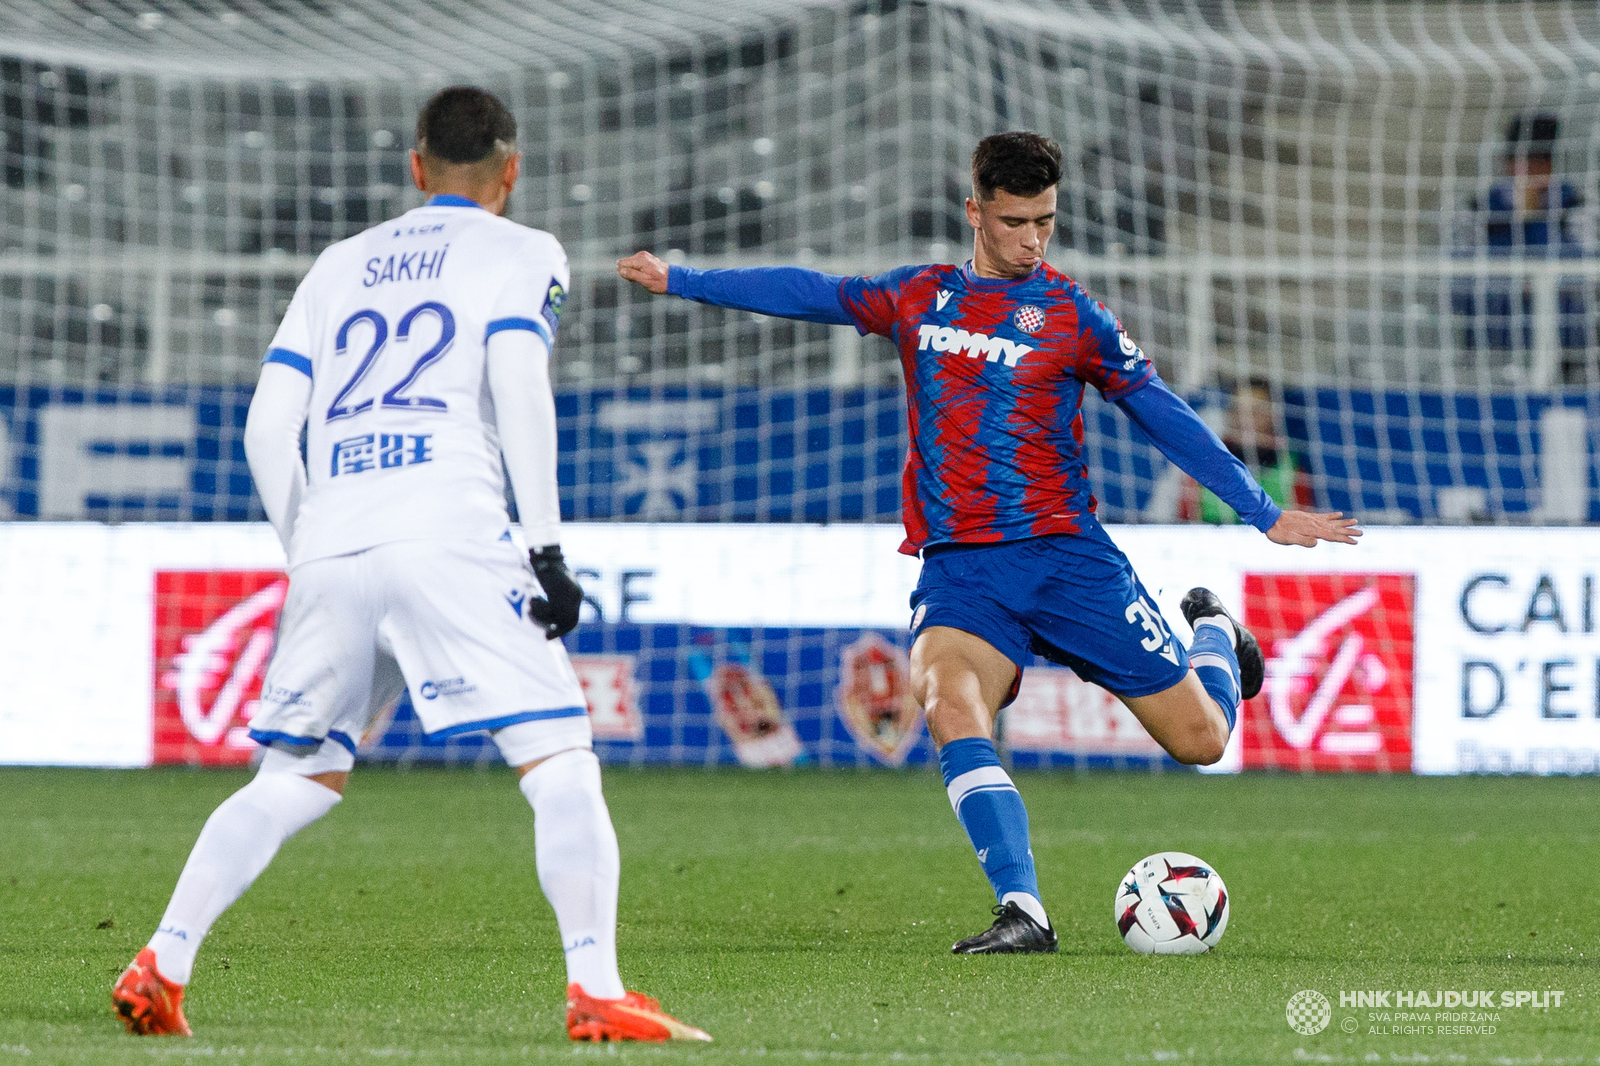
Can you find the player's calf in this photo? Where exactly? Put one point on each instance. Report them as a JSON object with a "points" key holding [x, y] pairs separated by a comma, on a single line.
{"points": [[961, 681], [236, 844], [1203, 737], [1184, 719], [1193, 719]]}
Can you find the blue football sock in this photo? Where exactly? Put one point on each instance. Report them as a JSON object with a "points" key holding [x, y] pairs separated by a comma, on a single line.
{"points": [[990, 810], [1214, 659]]}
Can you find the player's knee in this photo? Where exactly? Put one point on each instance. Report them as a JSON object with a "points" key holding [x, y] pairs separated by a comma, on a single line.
{"points": [[949, 716], [333, 779], [951, 719], [1208, 752]]}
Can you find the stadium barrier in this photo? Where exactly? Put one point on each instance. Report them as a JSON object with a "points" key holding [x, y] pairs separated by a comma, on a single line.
{"points": [[820, 454], [1437, 651]]}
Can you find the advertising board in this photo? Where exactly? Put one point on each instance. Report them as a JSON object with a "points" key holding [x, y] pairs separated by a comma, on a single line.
{"points": [[1436, 650], [1515, 685]]}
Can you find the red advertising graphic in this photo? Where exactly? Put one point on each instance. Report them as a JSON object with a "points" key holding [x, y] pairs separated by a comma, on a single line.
{"points": [[214, 632], [1339, 671], [612, 694]]}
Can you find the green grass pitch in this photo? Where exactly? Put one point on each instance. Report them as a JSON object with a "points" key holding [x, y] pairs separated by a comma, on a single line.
{"points": [[808, 916]]}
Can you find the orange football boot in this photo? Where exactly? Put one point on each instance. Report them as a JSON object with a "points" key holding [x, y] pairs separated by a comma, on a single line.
{"points": [[633, 1017], [149, 1004]]}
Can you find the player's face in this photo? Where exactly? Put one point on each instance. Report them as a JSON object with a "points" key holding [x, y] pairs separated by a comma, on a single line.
{"points": [[1011, 232]]}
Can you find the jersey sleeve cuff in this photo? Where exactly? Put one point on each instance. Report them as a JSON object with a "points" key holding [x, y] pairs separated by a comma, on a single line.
{"points": [[293, 360], [533, 325], [539, 534], [1267, 517]]}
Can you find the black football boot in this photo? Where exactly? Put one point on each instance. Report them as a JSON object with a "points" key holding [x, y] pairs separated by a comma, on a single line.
{"points": [[1013, 933], [1201, 603]]}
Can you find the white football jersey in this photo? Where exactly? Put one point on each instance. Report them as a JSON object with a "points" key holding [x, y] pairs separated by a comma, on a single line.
{"points": [[392, 327]]}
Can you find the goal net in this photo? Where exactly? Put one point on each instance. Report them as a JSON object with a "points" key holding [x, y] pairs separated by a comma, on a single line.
{"points": [[1359, 236]]}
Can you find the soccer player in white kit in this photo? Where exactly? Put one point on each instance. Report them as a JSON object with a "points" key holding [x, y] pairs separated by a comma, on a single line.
{"points": [[416, 356]]}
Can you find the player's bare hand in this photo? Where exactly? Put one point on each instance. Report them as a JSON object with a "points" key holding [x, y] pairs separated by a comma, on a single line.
{"points": [[1305, 528], [644, 269]]}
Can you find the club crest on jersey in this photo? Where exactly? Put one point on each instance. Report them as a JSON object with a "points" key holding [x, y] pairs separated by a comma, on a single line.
{"points": [[1028, 318], [942, 299]]}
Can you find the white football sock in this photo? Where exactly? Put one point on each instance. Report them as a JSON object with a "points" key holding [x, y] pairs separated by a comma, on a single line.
{"points": [[579, 865], [1030, 906], [1222, 622], [239, 839]]}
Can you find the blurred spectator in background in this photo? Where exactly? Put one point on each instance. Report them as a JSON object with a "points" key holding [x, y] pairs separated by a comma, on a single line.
{"points": [[1253, 432], [1527, 213]]}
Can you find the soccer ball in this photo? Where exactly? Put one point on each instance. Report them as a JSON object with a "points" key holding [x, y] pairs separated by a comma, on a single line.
{"points": [[1171, 904]]}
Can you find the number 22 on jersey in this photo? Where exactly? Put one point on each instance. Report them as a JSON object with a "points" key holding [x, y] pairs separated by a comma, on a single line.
{"points": [[395, 397]]}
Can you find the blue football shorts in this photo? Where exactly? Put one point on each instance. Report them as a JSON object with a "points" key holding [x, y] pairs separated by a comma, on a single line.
{"points": [[1072, 598]]}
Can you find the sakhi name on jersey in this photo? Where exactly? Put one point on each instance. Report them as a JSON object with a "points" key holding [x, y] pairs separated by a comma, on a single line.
{"points": [[392, 327], [995, 371]]}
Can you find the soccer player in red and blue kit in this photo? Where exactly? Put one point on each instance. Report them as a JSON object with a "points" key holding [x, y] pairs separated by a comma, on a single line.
{"points": [[996, 354]]}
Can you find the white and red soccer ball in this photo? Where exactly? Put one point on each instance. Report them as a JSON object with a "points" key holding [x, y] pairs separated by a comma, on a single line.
{"points": [[1171, 904]]}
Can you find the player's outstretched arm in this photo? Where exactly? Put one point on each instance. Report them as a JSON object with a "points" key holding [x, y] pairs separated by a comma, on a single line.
{"points": [[1305, 528], [1185, 439], [785, 292], [1181, 435]]}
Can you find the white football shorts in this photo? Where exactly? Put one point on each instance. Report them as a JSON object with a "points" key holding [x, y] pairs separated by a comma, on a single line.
{"points": [[446, 620]]}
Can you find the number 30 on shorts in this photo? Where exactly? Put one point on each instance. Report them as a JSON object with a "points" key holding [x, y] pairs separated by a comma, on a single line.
{"points": [[1141, 613]]}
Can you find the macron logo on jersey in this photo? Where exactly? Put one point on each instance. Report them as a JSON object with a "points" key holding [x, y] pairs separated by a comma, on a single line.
{"points": [[942, 299], [975, 345]]}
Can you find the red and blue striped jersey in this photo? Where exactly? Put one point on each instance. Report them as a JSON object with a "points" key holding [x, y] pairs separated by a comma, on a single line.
{"points": [[995, 371]]}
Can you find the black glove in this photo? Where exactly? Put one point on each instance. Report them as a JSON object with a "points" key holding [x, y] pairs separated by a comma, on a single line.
{"points": [[556, 612]]}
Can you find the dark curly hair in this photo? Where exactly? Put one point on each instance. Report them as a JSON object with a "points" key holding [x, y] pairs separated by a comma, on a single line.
{"points": [[1022, 164], [464, 124]]}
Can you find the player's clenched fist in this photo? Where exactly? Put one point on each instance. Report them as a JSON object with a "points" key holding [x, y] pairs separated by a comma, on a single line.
{"points": [[557, 611], [644, 269]]}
